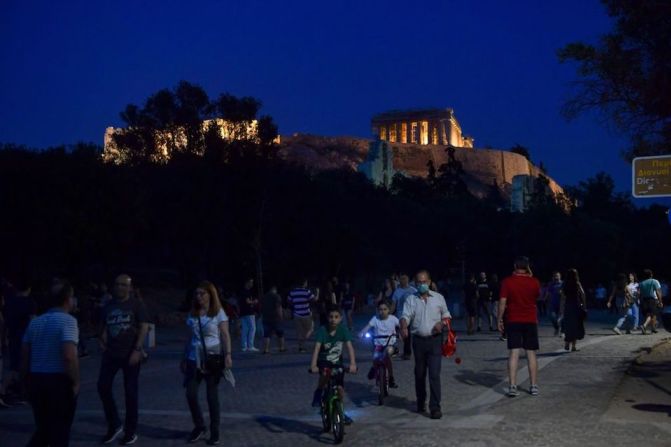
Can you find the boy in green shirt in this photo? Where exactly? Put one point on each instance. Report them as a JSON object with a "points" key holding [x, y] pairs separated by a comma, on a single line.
{"points": [[328, 353]]}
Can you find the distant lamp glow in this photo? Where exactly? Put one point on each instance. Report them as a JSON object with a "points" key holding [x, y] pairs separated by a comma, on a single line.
{"points": [[367, 334]]}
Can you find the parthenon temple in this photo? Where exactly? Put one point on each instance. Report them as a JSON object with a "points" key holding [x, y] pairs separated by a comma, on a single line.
{"points": [[424, 126]]}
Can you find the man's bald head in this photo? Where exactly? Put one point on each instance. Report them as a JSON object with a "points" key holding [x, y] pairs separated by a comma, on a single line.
{"points": [[122, 287]]}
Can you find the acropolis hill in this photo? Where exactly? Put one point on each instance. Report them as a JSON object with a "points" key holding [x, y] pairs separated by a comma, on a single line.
{"points": [[413, 138]]}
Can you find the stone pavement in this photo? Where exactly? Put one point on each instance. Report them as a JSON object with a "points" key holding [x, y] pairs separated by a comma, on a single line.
{"points": [[594, 397]]}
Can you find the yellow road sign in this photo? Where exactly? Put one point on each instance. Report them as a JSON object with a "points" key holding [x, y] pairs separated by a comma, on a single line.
{"points": [[651, 176]]}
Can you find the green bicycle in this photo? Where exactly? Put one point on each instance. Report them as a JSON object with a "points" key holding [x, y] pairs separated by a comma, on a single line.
{"points": [[331, 408]]}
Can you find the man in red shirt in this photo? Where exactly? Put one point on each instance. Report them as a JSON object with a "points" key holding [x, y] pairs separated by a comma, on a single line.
{"points": [[519, 293]]}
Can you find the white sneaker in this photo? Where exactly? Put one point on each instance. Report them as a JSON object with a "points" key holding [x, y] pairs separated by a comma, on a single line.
{"points": [[245, 349], [533, 390], [617, 331], [253, 349], [512, 391]]}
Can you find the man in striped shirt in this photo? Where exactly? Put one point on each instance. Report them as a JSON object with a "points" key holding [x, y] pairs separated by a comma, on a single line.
{"points": [[300, 298], [51, 364]]}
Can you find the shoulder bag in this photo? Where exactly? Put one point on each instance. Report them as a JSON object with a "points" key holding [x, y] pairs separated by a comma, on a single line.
{"points": [[211, 363]]}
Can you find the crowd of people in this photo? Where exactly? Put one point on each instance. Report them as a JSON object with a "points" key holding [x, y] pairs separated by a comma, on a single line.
{"points": [[42, 339]]}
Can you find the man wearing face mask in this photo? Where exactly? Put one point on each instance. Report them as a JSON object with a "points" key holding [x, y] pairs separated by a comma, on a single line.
{"points": [[425, 315]]}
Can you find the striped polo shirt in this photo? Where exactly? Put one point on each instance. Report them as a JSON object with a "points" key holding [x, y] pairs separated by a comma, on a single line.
{"points": [[46, 335], [300, 300]]}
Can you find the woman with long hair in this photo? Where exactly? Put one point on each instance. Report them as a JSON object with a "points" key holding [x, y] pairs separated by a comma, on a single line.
{"points": [[207, 351], [619, 292], [573, 309], [632, 296], [387, 291]]}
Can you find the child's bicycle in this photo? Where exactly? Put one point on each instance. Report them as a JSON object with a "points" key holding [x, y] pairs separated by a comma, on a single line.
{"points": [[331, 409], [380, 355]]}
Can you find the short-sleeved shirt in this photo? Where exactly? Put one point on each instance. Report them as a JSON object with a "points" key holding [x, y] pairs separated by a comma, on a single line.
{"points": [[300, 299], [648, 287], [554, 290], [46, 335], [520, 292], [246, 309], [484, 292], [399, 297], [632, 288], [210, 327], [122, 322], [422, 316], [384, 327], [332, 346]]}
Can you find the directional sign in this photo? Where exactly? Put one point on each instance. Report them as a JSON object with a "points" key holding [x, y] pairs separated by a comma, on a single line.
{"points": [[651, 176]]}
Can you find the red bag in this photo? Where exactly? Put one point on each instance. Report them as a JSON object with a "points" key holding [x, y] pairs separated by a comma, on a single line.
{"points": [[450, 343]]}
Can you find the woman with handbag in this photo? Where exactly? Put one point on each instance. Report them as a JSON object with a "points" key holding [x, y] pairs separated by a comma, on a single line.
{"points": [[206, 354], [573, 310]]}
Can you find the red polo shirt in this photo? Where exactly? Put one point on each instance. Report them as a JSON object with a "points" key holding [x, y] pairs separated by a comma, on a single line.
{"points": [[520, 292]]}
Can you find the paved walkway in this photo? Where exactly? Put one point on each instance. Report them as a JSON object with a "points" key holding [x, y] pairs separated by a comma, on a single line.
{"points": [[593, 397]]}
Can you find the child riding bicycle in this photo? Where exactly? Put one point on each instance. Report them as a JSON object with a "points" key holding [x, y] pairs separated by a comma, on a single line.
{"points": [[328, 353], [385, 328]]}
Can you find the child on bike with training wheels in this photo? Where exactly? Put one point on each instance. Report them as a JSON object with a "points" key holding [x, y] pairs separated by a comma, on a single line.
{"points": [[328, 353], [384, 324]]}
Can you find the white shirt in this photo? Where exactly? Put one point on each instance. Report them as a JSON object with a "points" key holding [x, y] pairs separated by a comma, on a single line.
{"points": [[384, 327], [632, 288], [210, 326], [422, 315]]}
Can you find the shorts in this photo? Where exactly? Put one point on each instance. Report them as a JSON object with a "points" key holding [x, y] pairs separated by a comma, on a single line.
{"points": [[270, 327], [648, 306], [337, 372], [522, 335], [303, 326]]}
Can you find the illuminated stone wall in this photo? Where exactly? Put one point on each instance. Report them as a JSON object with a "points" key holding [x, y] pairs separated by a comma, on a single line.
{"points": [[482, 166]]}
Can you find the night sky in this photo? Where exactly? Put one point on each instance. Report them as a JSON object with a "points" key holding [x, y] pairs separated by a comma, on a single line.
{"points": [[319, 67]]}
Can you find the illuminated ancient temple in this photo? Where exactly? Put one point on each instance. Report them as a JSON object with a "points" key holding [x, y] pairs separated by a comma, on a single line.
{"points": [[421, 126]]}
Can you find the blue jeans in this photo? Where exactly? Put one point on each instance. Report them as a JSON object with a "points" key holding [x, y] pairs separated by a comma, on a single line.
{"points": [[248, 331], [634, 312], [625, 316]]}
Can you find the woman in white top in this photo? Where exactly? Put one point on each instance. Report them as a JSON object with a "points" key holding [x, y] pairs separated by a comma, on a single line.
{"points": [[632, 296], [209, 319]]}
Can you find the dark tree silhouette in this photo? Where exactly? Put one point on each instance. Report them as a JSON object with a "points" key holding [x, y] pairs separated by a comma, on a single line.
{"points": [[627, 75]]}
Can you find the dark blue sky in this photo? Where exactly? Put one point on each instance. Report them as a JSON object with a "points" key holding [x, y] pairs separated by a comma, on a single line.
{"points": [[69, 68]]}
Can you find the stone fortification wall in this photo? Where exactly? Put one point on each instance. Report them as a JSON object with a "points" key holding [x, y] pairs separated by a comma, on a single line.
{"points": [[482, 166]]}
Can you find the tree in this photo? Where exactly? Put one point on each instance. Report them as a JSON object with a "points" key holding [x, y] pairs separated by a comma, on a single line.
{"points": [[450, 181], [627, 74], [184, 119], [597, 196], [519, 149]]}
